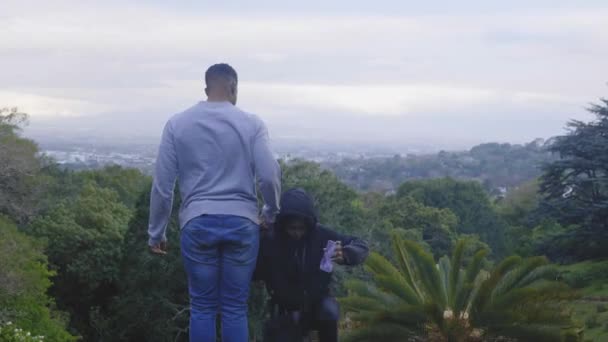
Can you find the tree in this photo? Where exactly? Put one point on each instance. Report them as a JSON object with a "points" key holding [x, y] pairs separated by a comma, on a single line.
{"points": [[129, 183], [468, 201], [432, 226], [575, 187], [450, 302], [152, 304], [531, 231], [24, 280], [519, 205], [19, 167], [84, 245]]}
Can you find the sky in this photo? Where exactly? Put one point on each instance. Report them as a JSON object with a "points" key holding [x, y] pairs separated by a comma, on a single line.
{"points": [[391, 72]]}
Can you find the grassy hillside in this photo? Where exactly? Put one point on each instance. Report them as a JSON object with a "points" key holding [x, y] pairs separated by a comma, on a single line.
{"points": [[591, 278]]}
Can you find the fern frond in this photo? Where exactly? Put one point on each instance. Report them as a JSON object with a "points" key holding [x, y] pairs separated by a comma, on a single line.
{"points": [[457, 256], [404, 261], [510, 280], [427, 270]]}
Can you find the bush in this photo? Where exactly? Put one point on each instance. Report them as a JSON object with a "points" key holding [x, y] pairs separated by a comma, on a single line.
{"points": [[592, 321], [24, 281], [585, 274], [601, 308], [10, 333]]}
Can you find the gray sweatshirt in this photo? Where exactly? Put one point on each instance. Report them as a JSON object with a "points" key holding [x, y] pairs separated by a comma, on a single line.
{"points": [[217, 152]]}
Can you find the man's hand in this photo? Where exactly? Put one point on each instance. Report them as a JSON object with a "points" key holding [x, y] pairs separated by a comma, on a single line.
{"points": [[338, 256], [160, 249]]}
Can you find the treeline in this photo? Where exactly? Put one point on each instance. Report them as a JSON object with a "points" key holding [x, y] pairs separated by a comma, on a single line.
{"points": [[75, 261], [498, 167]]}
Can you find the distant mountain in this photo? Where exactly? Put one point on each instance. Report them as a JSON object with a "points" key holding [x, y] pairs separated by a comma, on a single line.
{"points": [[498, 167]]}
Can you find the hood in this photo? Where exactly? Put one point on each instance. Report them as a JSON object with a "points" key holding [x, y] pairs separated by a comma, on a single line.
{"points": [[297, 203]]}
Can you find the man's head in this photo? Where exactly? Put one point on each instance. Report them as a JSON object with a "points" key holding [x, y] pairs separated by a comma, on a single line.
{"points": [[222, 83]]}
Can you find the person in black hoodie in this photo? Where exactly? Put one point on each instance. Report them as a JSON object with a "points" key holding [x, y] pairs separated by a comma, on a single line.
{"points": [[289, 263]]}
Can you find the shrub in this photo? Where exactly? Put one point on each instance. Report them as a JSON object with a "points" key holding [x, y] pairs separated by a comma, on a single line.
{"points": [[10, 333], [592, 321]]}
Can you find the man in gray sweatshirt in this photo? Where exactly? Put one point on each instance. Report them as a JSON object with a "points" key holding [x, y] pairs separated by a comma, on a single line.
{"points": [[216, 152]]}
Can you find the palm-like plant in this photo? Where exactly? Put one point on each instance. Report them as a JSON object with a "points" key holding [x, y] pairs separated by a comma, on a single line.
{"points": [[445, 301]]}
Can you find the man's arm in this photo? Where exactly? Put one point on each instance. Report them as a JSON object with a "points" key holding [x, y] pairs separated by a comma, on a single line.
{"points": [[161, 196], [268, 174]]}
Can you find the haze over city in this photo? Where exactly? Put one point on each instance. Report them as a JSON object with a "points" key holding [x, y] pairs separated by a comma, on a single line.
{"points": [[386, 72]]}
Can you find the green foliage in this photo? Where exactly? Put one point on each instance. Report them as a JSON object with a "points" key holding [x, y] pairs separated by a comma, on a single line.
{"points": [[519, 204], [19, 167], [10, 333], [448, 302], [127, 183], [24, 280], [545, 238], [84, 244], [67, 184], [11, 120], [592, 321], [585, 274], [152, 303], [435, 227], [575, 187], [468, 201]]}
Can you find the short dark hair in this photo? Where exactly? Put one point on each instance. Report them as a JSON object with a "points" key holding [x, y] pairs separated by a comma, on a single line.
{"points": [[221, 71]]}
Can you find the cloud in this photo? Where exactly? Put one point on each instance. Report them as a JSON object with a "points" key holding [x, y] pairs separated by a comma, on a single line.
{"points": [[48, 106], [285, 99], [269, 57], [408, 100], [71, 58]]}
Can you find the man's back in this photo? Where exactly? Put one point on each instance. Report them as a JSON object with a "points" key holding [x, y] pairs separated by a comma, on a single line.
{"points": [[214, 142], [215, 150]]}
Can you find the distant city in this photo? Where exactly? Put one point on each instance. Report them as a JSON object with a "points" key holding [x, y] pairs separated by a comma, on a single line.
{"points": [[80, 154]]}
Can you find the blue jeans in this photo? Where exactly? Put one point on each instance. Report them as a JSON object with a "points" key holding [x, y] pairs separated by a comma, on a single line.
{"points": [[219, 253]]}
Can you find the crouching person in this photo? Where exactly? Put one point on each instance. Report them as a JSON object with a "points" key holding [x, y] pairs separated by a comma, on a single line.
{"points": [[295, 261]]}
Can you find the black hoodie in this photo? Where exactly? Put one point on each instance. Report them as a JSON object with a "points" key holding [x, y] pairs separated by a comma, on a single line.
{"points": [[290, 268]]}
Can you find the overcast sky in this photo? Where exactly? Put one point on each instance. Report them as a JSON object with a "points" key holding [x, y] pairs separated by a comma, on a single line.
{"points": [[398, 71]]}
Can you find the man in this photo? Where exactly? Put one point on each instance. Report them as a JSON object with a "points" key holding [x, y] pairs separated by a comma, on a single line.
{"points": [[293, 264], [216, 151]]}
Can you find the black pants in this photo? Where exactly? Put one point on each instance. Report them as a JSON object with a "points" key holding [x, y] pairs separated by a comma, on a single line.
{"points": [[283, 329], [292, 326], [328, 330]]}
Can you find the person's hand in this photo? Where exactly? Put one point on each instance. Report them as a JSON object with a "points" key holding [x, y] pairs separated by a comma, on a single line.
{"points": [[160, 248], [263, 225], [338, 256]]}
